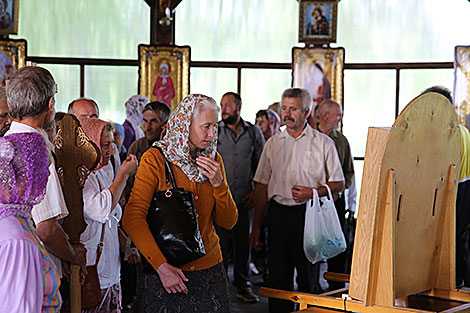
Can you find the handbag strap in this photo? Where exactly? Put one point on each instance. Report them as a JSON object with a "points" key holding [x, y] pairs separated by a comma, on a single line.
{"points": [[168, 171], [99, 249], [100, 244]]}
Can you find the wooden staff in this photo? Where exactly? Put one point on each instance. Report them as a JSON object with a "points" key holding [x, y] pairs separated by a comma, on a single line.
{"points": [[76, 157]]}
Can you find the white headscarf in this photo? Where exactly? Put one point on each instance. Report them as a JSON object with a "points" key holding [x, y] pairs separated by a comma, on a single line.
{"points": [[134, 107], [164, 65]]}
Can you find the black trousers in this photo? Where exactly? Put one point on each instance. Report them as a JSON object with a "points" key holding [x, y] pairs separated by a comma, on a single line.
{"points": [[463, 235], [285, 252], [240, 237], [337, 264]]}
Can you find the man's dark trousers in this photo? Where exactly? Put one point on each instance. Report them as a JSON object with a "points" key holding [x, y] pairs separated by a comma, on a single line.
{"points": [[240, 235], [285, 251], [337, 264]]}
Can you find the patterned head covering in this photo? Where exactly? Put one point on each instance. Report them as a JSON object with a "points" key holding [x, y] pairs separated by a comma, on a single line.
{"points": [[274, 121], [134, 107], [24, 173], [93, 128], [175, 144]]}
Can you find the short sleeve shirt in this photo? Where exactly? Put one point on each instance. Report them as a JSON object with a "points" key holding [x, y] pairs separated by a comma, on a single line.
{"points": [[310, 160]]}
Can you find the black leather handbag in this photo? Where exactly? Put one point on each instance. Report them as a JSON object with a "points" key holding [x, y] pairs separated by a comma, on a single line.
{"points": [[172, 219]]}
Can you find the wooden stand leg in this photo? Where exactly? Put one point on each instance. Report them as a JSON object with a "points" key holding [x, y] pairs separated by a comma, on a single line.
{"points": [[75, 290]]}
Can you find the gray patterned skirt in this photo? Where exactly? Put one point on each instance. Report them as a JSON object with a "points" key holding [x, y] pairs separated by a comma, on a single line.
{"points": [[207, 292]]}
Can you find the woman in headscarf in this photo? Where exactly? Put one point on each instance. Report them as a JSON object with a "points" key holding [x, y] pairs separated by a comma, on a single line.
{"points": [[190, 146], [269, 122], [119, 137], [29, 280], [102, 213], [134, 119]]}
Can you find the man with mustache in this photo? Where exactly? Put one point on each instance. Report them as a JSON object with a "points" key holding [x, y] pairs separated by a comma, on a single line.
{"points": [[240, 145], [293, 163]]}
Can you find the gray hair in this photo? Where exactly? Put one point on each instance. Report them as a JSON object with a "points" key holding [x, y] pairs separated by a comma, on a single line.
{"points": [[160, 108], [208, 103], [30, 91], [299, 93], [3, 93]]}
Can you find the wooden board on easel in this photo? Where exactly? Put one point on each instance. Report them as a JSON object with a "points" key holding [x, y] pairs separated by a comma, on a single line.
{"points": [[406, 230], [404, 248]]}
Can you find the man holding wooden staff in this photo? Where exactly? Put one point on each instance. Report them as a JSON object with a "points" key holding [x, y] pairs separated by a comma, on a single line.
{"points": [[31, 99]]}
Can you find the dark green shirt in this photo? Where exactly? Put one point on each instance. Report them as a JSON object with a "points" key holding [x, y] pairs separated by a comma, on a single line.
{"points": [[344, 154]]}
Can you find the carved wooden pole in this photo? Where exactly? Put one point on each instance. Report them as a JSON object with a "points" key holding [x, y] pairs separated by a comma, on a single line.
{"points": [[76, 156], [162, 26]]}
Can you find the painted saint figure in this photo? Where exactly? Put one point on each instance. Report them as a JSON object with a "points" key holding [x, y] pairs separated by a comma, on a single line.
{"points": [[5, 19], [164, 90], [318, 24]]}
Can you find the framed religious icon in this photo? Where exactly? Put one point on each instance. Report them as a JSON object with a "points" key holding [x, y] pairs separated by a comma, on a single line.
{"points": [[164, 73], [462, 84], [9, 17], [12, 57], [317, 21], [320, 71]]}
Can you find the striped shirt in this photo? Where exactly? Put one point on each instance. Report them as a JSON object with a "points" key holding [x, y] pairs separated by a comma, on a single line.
{"points": [[50, 280], [30, 282]]}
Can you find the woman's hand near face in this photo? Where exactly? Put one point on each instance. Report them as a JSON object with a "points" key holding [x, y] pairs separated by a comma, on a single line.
{"points": [[129, 166], [172, 278], [211, 169]]}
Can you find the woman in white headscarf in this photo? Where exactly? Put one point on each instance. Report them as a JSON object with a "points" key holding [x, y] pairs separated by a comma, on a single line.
{"points": [[134, 120], [189, 145]]}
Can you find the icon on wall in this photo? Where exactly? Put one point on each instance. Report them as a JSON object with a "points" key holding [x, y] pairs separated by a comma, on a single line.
{"points": [[317, 21], [164, 73]]}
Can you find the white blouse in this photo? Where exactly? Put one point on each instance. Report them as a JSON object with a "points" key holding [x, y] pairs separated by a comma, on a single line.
{"points": [[97, 201]]}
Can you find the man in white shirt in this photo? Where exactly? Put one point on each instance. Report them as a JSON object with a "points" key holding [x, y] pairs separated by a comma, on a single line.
{"points": [[30, 95], [293, 163]]}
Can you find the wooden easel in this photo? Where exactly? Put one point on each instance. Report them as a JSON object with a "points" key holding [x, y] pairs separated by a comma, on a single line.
{"points": [[404, 253], [76, 155]]}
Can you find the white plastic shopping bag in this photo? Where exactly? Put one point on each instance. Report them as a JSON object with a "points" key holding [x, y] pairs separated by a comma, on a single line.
{"points": [[323, 237]]}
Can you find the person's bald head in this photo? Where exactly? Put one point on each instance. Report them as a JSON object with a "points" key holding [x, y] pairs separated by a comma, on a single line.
{"points": [[84, 107], [330, 113]]}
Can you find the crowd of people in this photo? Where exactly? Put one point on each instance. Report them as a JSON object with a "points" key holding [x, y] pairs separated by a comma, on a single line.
{"points": [[231, 166], [250, 185]]}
